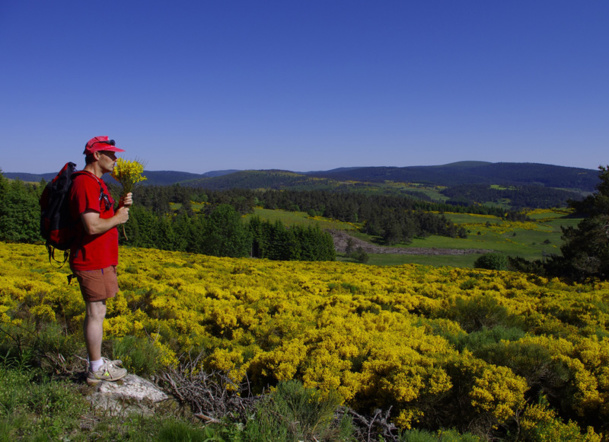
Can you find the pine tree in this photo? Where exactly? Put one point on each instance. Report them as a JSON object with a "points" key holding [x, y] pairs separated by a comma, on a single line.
{"points": [[586, 249], [19, 211], [225, 234]]}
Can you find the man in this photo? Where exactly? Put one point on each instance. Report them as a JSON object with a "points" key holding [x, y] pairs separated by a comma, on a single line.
{"points": [[94, 257]]}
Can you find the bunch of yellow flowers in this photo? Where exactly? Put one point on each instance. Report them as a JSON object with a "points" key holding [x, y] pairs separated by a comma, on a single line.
{"points": [[128, 173]]}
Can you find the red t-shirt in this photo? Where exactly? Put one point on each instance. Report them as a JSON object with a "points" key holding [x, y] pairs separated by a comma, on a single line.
{"points": [[92, 252]]}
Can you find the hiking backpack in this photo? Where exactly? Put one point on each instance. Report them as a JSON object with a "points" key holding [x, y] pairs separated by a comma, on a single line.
{"points": [[57, 227]]}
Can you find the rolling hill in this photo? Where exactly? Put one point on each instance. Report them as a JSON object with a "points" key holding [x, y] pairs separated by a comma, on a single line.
{"points": [[473, 172], [464, 183]]}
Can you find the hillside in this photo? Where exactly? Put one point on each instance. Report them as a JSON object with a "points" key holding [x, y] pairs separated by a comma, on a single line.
{"points": [[471, 172], [262, 179], [456, 174], [506, 185]]}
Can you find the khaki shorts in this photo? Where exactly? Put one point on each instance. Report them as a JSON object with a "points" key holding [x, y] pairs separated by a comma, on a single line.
{"points": [[97, 285]]}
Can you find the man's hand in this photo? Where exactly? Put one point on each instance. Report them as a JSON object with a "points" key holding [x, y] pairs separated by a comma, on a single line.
{"points": [[122, 214], [94, 225], [126, 200]]}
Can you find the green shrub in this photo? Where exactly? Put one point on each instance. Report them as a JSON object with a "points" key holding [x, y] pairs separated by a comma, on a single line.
{"points": [[518, 264], [361, 256], [139, 355], [492, 261], [468, 284], [455, 436], [480, 313], [44, 345], [173, 430], [441, 436], [293, 413], [484, 338], [7, 430], [417, 436]]}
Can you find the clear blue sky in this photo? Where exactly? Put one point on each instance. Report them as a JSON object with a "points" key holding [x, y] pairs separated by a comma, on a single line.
{"points": [[304, 85]]}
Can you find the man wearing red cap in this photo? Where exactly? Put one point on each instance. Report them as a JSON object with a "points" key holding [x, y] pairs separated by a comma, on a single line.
{"points": [[94, 257]]}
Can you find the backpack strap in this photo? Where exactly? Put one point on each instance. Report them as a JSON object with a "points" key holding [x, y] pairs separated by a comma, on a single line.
{"points": [[102, 195], [66, 255]]}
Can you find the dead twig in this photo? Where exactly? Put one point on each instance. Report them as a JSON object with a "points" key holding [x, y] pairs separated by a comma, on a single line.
{"points": [[210, 395], [206, 419], [375, 426]]}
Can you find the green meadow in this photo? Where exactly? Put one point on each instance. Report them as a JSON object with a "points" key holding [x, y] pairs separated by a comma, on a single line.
{"points": [[532, 240], [299, 219]]}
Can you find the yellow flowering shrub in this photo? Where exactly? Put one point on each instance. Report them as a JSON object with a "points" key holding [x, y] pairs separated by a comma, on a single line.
{"points": [[437, 345], [128, 173], [540, 423], [498, 391]]}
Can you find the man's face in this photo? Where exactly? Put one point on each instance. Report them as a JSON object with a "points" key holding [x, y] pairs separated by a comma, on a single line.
{"points": [[107, 160]]}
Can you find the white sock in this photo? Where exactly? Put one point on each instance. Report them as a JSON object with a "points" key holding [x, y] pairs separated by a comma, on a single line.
{"points": [[95, 365]]}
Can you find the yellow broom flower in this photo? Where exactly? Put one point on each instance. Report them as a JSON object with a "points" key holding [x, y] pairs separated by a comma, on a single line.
{"points": [[128, 173]]}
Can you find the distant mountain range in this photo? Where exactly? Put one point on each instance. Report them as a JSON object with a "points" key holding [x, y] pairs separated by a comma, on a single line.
{"points": [[153, 177], [475, 172], [454, 174]]}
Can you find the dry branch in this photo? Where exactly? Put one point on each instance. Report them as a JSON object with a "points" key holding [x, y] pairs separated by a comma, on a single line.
{"points": [[210, 395]]}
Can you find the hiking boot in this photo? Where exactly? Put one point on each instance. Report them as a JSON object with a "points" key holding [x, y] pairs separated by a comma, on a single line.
{"points": [[115, 362], [109, 371]]}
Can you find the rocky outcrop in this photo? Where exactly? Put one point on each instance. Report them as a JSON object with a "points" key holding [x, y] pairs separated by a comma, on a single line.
{"points": [[342, 238], [132, 394]]}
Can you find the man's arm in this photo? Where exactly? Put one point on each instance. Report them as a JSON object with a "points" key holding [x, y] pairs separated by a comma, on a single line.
{"points": [[94, 225]]}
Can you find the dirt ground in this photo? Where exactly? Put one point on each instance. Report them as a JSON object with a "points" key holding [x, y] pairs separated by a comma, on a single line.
{"points": [[341, 238]]}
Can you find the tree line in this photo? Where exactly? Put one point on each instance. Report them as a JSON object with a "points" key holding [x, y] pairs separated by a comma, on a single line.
{"points": [[221, 231], [518, 197], [393, 219], [218, 231]]}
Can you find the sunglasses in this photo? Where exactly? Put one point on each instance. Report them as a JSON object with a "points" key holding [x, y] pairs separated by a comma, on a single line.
{"points": [[110, 142]]}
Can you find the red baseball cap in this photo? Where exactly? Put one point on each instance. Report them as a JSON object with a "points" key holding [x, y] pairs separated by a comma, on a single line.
{"points": [[102, 142]]}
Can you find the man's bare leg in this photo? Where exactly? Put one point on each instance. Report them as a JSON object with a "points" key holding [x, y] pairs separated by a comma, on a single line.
{"points": [[94, 329]]}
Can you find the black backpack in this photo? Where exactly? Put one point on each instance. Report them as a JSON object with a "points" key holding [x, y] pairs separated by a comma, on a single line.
{"points": [[57, 227]]}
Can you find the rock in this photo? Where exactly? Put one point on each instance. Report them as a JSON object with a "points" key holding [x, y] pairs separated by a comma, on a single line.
{"points": [[341, 239], [131, 394]]}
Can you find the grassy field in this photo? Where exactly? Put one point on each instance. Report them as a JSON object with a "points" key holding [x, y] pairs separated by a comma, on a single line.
{"points": [[389, 259], [529, 240], [299, 219], [432, 192]]}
